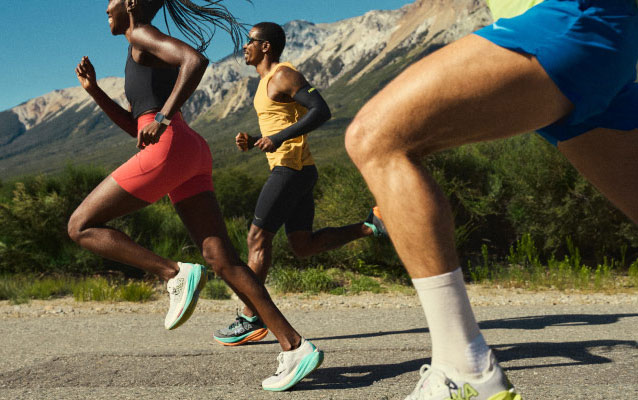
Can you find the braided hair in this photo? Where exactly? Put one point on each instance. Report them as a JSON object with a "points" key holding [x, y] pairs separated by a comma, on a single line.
{"points": [[198, 23]]}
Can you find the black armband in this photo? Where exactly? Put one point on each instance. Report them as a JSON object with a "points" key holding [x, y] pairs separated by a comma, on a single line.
{"points": [[318, 113]]}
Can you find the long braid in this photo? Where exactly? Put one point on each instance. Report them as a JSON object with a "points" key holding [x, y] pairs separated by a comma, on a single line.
{"points": [[199, 23]]}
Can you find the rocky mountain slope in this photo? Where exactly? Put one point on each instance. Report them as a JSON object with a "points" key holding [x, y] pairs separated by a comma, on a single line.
{"points": [[352, 56]]}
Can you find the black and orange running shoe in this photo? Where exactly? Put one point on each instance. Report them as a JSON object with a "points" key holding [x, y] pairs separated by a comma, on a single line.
{"points": [[244, 329], [375, 223]]}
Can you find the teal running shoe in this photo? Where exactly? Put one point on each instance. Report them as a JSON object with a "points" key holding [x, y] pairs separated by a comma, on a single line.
{"points": [[183, 291], [294, 365]]}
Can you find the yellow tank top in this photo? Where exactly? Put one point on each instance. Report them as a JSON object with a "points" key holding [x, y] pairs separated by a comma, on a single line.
{"points": [[273, 118]]}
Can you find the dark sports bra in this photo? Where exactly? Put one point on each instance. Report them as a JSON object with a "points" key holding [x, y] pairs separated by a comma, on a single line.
{"points": [[147, 88]]}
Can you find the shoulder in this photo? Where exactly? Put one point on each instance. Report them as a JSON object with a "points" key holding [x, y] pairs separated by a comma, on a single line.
{"points": [[146, 36], [288, 78]]}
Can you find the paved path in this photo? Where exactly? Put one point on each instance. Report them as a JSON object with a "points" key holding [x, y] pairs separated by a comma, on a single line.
{"points": [[550, 352]]}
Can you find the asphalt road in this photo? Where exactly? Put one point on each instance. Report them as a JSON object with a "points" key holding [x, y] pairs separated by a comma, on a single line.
{"points": [[551, 352]]}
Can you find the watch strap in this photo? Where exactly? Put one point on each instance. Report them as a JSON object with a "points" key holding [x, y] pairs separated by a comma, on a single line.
{"points": [[161, 118]]}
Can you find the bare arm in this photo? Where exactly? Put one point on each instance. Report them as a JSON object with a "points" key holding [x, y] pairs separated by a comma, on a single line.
{"points": [[171, 52], [121, 117]]}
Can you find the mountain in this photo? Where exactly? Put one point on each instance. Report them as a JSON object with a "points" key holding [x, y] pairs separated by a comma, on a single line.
{"points": [[348, 61]]}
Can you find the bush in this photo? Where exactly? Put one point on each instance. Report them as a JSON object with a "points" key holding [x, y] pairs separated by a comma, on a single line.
{"points": [[215, 289], [292, 280]]}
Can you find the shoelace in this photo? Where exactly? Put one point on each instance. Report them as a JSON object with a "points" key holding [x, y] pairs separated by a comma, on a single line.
{"points": [[426, 372], [280, 368], [174, 286]]}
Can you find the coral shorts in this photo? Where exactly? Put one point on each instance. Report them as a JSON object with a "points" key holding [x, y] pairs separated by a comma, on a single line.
{"points": [[179, 165], [589, 48]]}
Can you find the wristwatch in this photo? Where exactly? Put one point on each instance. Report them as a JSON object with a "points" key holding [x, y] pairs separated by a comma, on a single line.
{"points": [[161, 119]]}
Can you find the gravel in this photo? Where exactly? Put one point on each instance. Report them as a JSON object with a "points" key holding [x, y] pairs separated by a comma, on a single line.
{"points": [[479, 296]]}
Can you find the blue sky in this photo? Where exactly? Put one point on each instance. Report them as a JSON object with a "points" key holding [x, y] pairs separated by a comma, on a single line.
{"points": [[41, 41]]}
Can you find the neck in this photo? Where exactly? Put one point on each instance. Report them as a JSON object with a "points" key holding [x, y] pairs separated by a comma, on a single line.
{"points": [[265, 66]]}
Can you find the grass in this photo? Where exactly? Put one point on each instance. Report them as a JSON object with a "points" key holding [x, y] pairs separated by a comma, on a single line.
{"points": [[22, 289], [523, 268], [215, 289]]}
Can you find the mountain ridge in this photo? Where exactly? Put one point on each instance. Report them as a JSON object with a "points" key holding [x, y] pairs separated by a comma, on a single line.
{"points": [[338, 58]]}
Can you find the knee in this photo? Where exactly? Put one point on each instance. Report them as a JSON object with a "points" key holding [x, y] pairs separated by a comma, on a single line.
{"points": [[367, 144], [75, 226], [220, 259], [300, 248], [300, 251], [357, 141]]}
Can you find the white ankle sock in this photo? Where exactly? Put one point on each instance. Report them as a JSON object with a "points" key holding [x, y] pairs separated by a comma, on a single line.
{"points": [[456, 339]]}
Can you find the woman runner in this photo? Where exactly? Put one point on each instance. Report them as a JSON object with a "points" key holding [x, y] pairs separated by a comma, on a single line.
{"points": [[161, 74]]}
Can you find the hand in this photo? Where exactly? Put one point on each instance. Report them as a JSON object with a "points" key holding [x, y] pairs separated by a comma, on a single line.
{"points": [[150, 134], [244, 141], [266, 145], [86, 74]]}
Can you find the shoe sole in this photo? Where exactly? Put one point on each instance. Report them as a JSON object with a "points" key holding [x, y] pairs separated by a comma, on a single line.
{"points": [[190, 305], [253, 337], [309, 363]]}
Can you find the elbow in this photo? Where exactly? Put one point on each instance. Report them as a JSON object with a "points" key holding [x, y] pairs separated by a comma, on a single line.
{"points": [[201, 64], [197, 64], [326, 114]]}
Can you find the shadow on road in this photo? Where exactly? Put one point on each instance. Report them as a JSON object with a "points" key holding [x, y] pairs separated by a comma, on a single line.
{"points": [[356, 376], [580, 353], [544, 321], [526, 323]]}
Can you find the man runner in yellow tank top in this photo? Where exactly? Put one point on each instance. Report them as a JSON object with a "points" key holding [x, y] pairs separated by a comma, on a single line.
{"points": [[288, 109]]}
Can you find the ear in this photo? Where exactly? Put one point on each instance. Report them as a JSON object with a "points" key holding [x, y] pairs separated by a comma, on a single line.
{"points": [[266, 47], [131, 5]]}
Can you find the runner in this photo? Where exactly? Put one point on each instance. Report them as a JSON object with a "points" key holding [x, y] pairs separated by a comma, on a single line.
{"points": [[565, 68], [161, 74], [288, 108]]}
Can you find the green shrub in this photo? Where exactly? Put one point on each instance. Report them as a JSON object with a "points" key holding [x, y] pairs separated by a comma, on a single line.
{"points": [[365, 284], [292, 280], [98, 289], [215, 289], [135, 292]]}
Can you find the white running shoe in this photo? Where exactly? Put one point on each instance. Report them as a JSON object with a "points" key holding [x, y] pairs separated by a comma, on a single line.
{"points": [[183, 291], [294, 365], [443, 383]]}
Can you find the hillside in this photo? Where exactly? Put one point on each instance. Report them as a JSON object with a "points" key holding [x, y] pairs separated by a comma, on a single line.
{"points": [[348, 60]]}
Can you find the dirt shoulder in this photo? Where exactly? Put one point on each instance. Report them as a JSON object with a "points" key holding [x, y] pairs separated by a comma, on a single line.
{"points": [[479, 296]]}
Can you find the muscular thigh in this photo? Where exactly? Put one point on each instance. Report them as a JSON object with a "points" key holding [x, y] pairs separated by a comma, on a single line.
{"points": [[607, 158], [471, 90]]}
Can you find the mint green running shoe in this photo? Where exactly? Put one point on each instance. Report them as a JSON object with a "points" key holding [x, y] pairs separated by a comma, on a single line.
{"points": [[442, 383], [294, 365], [183, 291]]}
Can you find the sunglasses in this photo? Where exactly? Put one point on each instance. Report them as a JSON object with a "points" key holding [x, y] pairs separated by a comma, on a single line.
{"points": [[249, 40]]}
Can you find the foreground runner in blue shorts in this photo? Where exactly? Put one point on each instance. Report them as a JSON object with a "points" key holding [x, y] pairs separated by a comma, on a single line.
{"points": [[565, 68]]}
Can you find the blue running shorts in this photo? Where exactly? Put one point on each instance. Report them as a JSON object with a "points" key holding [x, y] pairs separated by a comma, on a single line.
{"points": [[589, 48]]}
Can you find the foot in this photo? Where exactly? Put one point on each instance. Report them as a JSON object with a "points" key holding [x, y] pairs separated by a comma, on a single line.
{"points": [[294, 365], [446, 383], [244, 329], [183, 291], [375, 223]]}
